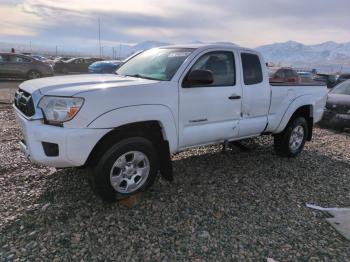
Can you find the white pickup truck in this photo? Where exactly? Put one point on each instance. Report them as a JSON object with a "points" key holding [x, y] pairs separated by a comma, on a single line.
{"points": [[125, 126]]}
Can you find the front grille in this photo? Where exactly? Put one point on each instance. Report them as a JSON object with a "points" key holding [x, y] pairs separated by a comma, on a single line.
{"points": [[24, 102]]}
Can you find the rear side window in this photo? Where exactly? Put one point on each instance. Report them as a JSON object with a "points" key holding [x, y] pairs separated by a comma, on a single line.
{"points": [[20, 59], [252, 72]]}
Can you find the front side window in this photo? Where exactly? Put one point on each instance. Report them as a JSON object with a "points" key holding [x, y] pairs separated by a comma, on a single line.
{"points": [[252, 72], [221, 64], [158, 63]]}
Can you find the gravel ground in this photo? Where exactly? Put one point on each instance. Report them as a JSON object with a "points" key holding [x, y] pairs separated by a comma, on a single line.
{"points": [[8, 89], [233, 206]]}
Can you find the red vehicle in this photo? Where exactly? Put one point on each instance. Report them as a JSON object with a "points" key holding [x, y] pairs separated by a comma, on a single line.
{"points": [[283, 75]]}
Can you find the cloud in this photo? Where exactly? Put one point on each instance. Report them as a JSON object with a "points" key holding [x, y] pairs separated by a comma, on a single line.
{"points": [[11, 20], [246, 22]]}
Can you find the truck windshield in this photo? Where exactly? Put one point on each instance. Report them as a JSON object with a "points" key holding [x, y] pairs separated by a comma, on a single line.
{"points": [[158, 63]]}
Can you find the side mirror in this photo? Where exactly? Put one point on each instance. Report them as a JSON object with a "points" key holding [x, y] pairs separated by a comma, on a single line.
{"points": [[199, 77]]}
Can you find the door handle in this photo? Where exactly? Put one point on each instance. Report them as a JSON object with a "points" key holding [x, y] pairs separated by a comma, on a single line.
{"points": [[233, 97]]}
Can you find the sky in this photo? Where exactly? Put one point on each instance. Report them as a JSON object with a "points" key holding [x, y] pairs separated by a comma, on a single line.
{"points": [[248, 23]]}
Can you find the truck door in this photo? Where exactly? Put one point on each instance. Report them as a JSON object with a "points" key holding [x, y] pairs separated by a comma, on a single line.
{"points": [[210, 113], [256, 95]]}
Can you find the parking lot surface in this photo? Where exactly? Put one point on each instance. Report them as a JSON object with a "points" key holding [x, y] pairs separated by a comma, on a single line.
{"points": [[8, 89], [232, 206]]}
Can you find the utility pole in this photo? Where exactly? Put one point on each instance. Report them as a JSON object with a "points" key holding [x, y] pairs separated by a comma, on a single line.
{"points": [[120, 49], [99, 36], [56, 50], [30, 46]]}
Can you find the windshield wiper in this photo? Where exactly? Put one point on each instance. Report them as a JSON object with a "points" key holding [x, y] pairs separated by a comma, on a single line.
{"points": [[144, 77]]}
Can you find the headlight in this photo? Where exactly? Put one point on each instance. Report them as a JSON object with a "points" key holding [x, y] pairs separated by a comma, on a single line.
{"points": [[60, 109]]}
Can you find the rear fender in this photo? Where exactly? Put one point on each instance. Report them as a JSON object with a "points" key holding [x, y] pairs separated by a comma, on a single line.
{"points": [[305, 100]]}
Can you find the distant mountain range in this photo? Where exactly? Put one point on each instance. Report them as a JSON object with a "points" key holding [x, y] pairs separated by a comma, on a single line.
{"points": [[126, 50], [328, 56]]}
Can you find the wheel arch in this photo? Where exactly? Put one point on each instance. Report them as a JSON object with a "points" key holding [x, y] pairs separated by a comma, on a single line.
{"points": [[302, 106], [151, 130]]}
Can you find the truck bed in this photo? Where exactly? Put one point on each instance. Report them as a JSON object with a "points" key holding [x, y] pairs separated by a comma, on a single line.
{"points": [[283, 94]]}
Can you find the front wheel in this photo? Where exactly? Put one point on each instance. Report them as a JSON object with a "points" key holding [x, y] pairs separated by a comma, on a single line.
{"points": [[291, 141], [128, 167]]}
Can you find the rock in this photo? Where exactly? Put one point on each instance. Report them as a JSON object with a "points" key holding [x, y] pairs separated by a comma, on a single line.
{"points": [[44, 207], [204, 234], [131, 201], [269, 259]]}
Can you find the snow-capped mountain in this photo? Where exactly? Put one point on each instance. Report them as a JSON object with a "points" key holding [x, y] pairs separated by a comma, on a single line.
{"points": [[126, 50], [297, 54], [328, 56]]}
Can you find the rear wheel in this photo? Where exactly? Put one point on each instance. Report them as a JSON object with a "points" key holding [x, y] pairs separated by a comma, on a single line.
{"points": [[128, 167], [33, 74], [291, 141]]}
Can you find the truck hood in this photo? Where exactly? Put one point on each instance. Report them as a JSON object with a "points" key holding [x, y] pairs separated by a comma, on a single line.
{"points": [[74, 84], [338, 99]]}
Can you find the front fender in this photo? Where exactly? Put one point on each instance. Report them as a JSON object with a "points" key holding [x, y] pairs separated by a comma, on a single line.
{"points": [[139, 113]]}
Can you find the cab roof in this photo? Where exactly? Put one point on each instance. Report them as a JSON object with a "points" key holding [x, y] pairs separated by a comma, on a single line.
{"points": [[209, 46]]}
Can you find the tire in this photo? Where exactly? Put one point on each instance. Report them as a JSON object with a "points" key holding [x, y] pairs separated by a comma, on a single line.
{"points": [[285, 145], [120, 165], [33, 74]]}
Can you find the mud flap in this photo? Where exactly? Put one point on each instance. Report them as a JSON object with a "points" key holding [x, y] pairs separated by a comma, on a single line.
{"points": [[165, 165]]}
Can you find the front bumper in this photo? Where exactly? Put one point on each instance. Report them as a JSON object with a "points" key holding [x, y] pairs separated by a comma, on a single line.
{"points": [[336, 120], [75, 144]]}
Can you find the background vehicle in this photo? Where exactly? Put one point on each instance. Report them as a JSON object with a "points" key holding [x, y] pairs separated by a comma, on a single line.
{"points": [[329, 79], [43, 59], [125, 126], [22, 66], [306, 77], [74, 65], [337, 113], [283, 75], [342, 77], [60, 58], [104, 67]]}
